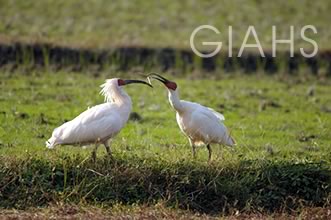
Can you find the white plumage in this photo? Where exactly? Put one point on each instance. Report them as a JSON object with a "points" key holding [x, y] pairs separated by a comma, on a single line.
{"points": [[202, 125], [100, 123]]}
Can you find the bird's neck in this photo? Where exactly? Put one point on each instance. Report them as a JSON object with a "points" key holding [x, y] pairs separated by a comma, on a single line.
{"points": [[122, 100], [174, 100]]}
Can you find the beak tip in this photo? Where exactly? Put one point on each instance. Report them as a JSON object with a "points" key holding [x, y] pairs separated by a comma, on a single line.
{"points": [[157, 78]]}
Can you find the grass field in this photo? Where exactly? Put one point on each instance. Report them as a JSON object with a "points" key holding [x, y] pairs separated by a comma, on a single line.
{"points": [[279, 114], [281, 123], [274, 114], [100, 24]]}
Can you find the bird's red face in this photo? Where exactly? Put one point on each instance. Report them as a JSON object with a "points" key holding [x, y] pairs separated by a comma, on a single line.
{"points": [[122, 82], [169, 84]]}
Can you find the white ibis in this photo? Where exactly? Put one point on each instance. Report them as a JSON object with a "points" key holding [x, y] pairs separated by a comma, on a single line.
{"points": [[202, 125], [99, 123]]}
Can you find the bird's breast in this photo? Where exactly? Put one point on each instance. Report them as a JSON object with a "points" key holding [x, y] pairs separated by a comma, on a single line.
{"points": [[183, 121]]}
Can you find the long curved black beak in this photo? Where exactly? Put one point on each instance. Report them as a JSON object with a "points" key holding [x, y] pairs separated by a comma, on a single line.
{"points": [[157, 77], [129, 81]]}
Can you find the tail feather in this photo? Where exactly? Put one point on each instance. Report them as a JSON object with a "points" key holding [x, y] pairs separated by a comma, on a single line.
{"points": [[231, 141], [51, 143], [234, 143]]}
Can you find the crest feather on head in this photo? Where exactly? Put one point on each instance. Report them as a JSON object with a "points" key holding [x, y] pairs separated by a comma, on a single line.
{"points": [[108, 89]]}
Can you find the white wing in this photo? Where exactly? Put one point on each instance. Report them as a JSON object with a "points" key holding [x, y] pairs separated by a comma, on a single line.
{"points": [[217, 114], [204, 109], [208, 128], [97, 123], [204, 124]]}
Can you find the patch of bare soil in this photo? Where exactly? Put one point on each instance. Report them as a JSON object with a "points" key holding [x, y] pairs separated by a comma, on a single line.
{"points": [[156, 212]]}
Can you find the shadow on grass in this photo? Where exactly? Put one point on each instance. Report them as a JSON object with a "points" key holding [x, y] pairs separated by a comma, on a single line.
{"points": [[250, 185]]}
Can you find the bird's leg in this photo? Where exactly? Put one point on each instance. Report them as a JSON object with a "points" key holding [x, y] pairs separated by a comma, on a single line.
{"points": [[193, 148], [94, 152], [209, 151], [106, 143]]}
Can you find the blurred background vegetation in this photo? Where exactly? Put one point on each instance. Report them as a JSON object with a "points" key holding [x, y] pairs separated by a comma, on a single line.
{"points": [[103, 23]]}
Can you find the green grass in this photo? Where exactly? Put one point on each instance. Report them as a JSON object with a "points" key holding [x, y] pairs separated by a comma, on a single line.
{"points": [[152, 24], [32, 106], [282, 159]]}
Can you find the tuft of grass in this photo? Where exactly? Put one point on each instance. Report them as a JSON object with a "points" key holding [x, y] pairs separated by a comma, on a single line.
{"points": [[250, 185]]}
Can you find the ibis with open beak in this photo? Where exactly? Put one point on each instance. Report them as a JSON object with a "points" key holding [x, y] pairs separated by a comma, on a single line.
{"points": [[202, 125]]}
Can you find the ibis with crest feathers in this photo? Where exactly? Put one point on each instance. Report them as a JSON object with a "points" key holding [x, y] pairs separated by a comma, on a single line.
{"points": [[99, 124], [202, 125]]}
